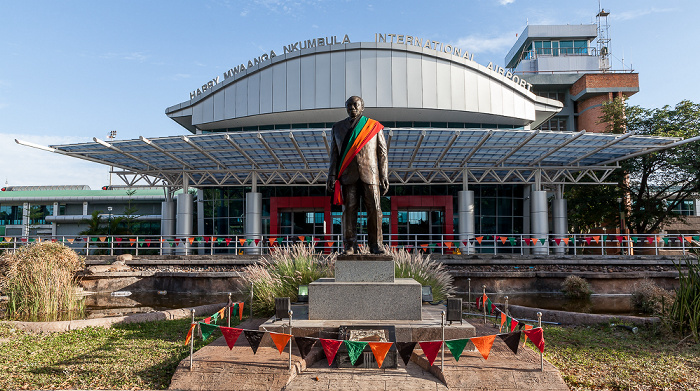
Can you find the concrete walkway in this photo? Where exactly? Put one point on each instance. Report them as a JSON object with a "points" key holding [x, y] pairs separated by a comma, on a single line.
{"points": [[218, 368]]}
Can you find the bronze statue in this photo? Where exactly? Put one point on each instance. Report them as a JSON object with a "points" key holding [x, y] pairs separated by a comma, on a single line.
{"points": [[358, 168]]}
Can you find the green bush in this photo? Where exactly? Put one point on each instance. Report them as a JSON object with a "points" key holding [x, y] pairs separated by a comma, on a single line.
{"points": [[649, 298], [39, 280], [685, 313], [575, 287], [429, 273]]}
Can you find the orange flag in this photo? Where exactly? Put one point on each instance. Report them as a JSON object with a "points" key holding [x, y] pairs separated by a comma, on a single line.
{"points": [[242, 241], [191, 240], [566, 241], [484, 344], [425, 247], [503, 320], [448, 245], [103, 238], [688, 238], [132, 240], [302, 238], [479, 239], [189, 333], [70, 240], [533, 241], [221, 313], [280, 340], [503, 239], [527, 327], [659, 239], [272, 241], [597, 239], [380, 349], [240, 310]]}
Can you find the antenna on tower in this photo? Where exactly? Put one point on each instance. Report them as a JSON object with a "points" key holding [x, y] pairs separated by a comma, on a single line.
{"points": [[603, 38]]}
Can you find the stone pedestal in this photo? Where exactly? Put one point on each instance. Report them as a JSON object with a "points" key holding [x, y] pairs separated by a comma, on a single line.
{"points": [[365, 289]]}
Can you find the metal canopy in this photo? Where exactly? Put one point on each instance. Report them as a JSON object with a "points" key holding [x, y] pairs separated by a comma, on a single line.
{"points": [[416, 156]]}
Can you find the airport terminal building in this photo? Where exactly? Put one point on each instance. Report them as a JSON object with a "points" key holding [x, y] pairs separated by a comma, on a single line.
{"points": [[474, 148]]}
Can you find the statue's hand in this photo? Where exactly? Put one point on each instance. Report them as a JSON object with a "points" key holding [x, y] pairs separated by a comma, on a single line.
{"points": [[384, 186], [330, 184]]}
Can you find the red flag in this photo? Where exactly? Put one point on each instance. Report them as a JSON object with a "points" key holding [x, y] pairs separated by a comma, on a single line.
{"points": [[484, 344], [189, 333], [380, 349], [280, 340], [513, 324], [330, 348], [557, 241], [230, 335], [588, 240], [619, 238], [527, 241], [228, 241], [256, 241], [207, 320], [207, 239], [537, 337], [430, 349]]}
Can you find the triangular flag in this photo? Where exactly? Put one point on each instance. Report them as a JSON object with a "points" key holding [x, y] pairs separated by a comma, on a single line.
{"points": [[9, 239], [448, 245], [489, 305], [254, 338], [543, 240], [272, 241], [635, 239], [527, 241], [537, 337], [132, 240], [512, 340], [478, 239], [355, 348], [597, 239], [493, 308], [666, 241], [484, 344], [233, 310], [512, 241], [304, 344], [330, 348], [191, 240], [215, 317], [588, 240], [659, 239], [280, 340], [240, 310], [189, 333], [199, 238], [256, 241], [230, 335], [222, 312], [206, 239], [118, 240], [557, 241], [566, 241], [207, 329], [618, 238], [249, 241], [228, 241], [214, 239], [425, 247], [329, 244], [503, 239], [103, 238], [478, 302], [508, 322], [380, 349], [279, 240], [650, 239], [242, 241], [456, 347], [430, 349], [207, 320], [302, 238], [91, 239], [696, 238], [503, 320], [70, 240], [527, 327], [405, 350], [513, 324], [688, 238]]}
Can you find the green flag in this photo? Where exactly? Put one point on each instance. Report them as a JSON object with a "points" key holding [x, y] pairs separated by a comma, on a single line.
{"points": [[634, 239], [355, 348], [666, 241], [456, 346], [512, 241], [215, 317], [543, 240], [207, 329]]}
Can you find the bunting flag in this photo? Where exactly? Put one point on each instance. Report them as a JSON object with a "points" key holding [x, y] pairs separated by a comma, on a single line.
{"points": [[118, 240], [242, 241], [527, 241], [666, 241], [330, 348], [493, 308], [215, 317], [512, 241], [256, 241], [215, 239], [557, 241], [489, 305], [207, 329], [254, 338], [478, 239], [448, 245], [280, 340], [70, 240], [688, 238], [527, 327], [329, 244], [597, 239], [425, 247], [456, 347], [503, 320], [478, 302], [206, 239], [696, 238], [233, 309], [355, 349], [207, 320], [221, 312], [512, 340], [537, 337], [189, 333], [230, 335], [650, 239], [635, 239], [380, 349], [9, 239], [405, 350], [618, 238], [240, 311], [503, 239], [566, 241], [132, 241], [279, 240], [513, 324], [302, 238], [228, 241], [430, 349], [543, 240], [484, 344], [272, 241], [508, 322], [304, 344], [248, 241], [103, 238], [588, 240]]}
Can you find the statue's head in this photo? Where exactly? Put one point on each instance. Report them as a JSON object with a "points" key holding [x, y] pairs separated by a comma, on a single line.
{"points": [[354, 105]]}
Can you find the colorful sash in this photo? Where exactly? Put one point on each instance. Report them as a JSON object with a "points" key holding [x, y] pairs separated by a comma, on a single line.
{"points": [[364, 131]]}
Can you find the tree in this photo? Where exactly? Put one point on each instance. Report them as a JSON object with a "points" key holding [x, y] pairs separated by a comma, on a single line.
{"points": [[658, 182]]}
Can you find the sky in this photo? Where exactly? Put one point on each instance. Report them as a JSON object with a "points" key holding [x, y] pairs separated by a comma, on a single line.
{"points": [[74, 70]]}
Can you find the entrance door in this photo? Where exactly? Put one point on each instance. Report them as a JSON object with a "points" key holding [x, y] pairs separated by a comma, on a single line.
{"points": [[296, 222], [416, 227]]}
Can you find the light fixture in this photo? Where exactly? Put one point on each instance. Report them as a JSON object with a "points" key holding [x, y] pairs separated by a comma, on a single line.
{"points": [[427, 293], [303, 294]]}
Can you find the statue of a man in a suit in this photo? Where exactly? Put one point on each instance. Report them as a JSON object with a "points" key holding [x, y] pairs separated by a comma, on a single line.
{"points": [[358, 168]]}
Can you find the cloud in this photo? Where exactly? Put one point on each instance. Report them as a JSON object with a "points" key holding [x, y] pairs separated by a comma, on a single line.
{"points": [[506, 2], [132, 56], [479, 44], [28, 166], [633, 14]]}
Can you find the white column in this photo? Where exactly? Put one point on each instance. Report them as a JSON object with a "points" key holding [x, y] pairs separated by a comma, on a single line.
{"points": [[167, 224], [183, 227], [539, 220], [253, 220], [559, 220], [466, 221]]}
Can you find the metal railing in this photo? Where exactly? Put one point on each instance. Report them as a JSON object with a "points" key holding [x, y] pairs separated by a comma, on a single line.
{"points": [[523, 244]]}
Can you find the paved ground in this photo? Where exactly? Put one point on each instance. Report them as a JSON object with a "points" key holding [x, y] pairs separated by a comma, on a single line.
{"points": [[218, 368]]}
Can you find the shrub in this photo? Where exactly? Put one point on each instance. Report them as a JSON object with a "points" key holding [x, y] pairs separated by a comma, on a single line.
{"points": [[576, 288], [281, 273], [40, 281], [429, 273], [685, 312], [649, 298]]}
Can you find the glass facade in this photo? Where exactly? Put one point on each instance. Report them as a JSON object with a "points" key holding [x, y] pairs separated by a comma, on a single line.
{"points": [[557, 48]]}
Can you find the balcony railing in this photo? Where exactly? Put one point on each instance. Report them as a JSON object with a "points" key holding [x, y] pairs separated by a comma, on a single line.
{"points": [[523, 244]]}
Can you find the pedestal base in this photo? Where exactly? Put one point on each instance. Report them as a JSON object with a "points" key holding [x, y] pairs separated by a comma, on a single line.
{"points": [[332, 300]]}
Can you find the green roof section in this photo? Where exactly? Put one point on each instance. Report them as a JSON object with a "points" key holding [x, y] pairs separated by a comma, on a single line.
{"points": [[81, 193]]}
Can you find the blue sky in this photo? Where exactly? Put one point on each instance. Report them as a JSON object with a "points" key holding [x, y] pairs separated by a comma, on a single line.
{"points": [[73, 70]]}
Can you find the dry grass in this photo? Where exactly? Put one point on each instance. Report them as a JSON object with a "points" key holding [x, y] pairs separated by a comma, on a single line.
{"points": [[576, 287], [39, 280], [649, 298]]}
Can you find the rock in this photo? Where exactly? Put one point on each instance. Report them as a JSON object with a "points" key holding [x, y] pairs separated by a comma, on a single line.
{"points": [[98, 269], [119, 268], [124, 258], [118, 263]]}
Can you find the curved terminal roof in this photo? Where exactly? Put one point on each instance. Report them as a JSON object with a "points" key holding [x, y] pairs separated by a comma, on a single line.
{"points": [[398, 82], [415, 156]]}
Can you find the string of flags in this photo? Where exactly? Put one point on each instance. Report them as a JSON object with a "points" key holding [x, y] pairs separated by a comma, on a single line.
{"points": [[355, 348], [508, 321]]}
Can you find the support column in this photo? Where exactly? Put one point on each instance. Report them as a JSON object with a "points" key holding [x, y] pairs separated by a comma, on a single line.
{"points": [[466, 221], [54, 224], [559, 220], [253, 221], [167, 223], [527, 194], [540, 223]]}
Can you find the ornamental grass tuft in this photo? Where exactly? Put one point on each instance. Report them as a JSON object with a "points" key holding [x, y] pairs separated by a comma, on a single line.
{"points": [[576, 287], [685, 313], [427, 272], [40, 282]]}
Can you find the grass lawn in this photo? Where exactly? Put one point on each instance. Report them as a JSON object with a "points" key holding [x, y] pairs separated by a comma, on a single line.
{"points": [[605, 358], [131, 356]]}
